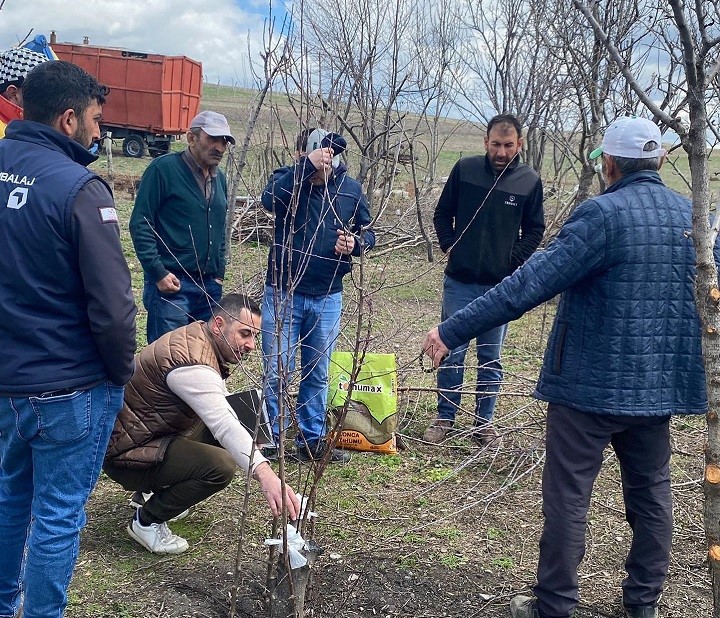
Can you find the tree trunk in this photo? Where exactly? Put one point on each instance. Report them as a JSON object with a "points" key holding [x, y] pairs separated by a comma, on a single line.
{"points": [[587, 175], [708, 295], [287, 592]]}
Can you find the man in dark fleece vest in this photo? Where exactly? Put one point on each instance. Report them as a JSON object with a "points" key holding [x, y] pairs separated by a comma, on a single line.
{"points": [[489, 220], [178, 228], [623, 356], [67, 334]]}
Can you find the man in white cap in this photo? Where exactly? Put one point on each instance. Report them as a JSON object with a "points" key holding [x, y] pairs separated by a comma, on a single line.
{"points": [[624, 355], [15, 64], [178, 228]]}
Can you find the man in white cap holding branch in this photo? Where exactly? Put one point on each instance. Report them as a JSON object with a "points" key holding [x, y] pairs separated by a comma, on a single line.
{"points": [[178, 228], [624, 355]]}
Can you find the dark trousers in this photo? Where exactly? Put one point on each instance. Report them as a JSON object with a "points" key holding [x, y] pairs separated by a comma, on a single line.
{"points": [[194, 468], [574, 450]]}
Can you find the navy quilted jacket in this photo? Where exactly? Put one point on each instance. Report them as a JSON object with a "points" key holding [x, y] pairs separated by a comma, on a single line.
{"points": [[626, 336]]}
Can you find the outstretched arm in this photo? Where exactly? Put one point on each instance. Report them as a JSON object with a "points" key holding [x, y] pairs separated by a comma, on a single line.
{"points": [[579, 250], [271, 487], [202, 388]]}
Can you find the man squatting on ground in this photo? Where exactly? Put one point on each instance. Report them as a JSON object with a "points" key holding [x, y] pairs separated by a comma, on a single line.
{"points": [[623, 356], [15, 64], [67, 334], [176, 435], [178, 228], [489, 220], [321, 219]]}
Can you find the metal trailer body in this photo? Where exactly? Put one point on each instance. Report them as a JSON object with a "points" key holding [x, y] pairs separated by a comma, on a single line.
{"points": [[152, 97]]}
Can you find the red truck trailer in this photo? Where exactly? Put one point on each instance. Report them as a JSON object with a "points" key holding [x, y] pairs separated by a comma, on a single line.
{"points": [[152, 97]]}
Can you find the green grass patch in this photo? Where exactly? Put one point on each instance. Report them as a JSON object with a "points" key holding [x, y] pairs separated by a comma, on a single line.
{"points": [[452, 561], [450, 533], [504, 563], [390, 461], [407, 562], [437, 474], [495, 534]]}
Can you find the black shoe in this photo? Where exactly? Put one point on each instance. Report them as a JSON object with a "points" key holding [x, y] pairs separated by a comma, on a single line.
{"points": [[641, 611], [305, 455], [523, 606]]}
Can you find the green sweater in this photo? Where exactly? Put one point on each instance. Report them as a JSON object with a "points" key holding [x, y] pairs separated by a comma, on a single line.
{"points": [[172, 227]]}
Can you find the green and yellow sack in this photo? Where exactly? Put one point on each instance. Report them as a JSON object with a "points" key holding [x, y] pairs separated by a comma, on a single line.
{"points": [[371, 419]]}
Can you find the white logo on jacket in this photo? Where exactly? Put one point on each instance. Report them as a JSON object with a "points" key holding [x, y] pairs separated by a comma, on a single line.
{"points": [[17, 198], [16, 179]]}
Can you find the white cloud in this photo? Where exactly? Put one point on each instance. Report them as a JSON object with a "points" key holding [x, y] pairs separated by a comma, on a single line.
{"points": [[215, 33]]}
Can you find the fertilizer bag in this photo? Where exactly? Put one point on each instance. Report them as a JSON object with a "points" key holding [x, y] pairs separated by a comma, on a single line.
{"points": [[371, 418]]}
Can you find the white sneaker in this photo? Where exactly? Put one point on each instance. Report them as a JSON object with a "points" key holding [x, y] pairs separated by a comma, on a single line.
{"points": [[156, 538], [139, 498]]}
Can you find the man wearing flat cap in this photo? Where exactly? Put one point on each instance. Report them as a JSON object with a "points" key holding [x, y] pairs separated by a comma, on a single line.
{"points": [[624, 355], [15, 64], [178, 228]]}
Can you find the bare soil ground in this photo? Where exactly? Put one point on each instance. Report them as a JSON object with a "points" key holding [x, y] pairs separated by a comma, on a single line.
{"points": [[435, 531]]}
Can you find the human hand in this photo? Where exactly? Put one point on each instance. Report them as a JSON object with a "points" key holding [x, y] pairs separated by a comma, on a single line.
{"points": [[272, 490], [434, 348], [169, 284], [345, 243], [322, 159]]}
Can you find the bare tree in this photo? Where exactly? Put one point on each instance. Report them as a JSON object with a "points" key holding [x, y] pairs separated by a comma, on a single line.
{"points": [[508, 71], [590, 84], [275, 57], [384, 77], [377, 76]]}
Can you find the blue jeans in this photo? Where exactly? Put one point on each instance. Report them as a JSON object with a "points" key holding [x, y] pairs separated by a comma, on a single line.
{"points": [[195, 300], [451, 374], [311, 323], [51, 450]]}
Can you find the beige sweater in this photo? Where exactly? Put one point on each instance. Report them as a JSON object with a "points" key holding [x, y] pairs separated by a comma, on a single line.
{"points": [[202, 388]]}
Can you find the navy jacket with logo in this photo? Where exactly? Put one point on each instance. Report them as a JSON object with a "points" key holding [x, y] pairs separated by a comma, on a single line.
{"points": [[490, 222], [67, 307]]}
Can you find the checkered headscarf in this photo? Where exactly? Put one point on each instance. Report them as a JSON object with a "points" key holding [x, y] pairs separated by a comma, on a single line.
{"points": [[16, 63]]}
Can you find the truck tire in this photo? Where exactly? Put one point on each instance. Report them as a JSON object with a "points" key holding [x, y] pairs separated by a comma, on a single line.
{"points": [[134, 146]]}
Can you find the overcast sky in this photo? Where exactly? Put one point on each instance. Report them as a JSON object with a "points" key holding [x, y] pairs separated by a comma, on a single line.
{"points": [[214, 32]]}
